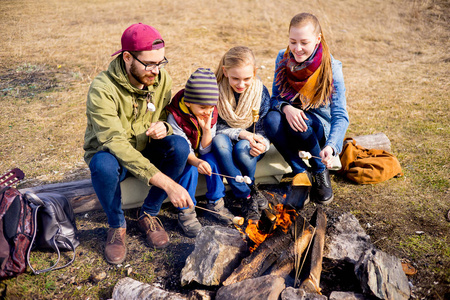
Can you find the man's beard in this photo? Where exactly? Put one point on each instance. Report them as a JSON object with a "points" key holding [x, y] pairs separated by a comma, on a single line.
{"points": [[142, 79]]}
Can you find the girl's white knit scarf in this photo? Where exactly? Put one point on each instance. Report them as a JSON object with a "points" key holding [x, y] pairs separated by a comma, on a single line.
{"points": [[239, 116]]}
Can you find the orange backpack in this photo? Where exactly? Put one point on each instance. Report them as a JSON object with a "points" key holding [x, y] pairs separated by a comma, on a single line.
{"points": [[368, 166]]}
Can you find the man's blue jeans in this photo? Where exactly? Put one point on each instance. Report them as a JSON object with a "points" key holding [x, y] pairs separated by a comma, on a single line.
{"points": [[214, 183], [234, 159], [169, 155], [289, 142]]}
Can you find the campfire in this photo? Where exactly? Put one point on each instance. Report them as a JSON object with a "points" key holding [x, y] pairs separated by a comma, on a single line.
{"points": [[281, 241], [283, 253], [271, 218]]}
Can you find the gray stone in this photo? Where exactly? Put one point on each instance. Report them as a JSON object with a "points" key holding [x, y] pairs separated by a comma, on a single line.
{"points": [[382, 275], [347, 240], [346, 296], [267, 287], [218, 251], [130, 289], [291, 293]]}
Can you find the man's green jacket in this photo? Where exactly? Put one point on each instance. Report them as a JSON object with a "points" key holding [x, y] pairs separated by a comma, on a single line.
{"points": [[117, 117]]}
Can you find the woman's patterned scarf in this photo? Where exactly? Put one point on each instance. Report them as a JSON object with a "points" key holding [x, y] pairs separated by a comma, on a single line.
{"points": [[294, 78]]}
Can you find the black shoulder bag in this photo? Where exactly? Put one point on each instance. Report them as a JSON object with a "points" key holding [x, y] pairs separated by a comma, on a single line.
{"points": [[55, 226]]}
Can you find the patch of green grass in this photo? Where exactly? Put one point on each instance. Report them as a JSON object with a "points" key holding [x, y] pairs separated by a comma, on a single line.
{"points": [[419, 246]]}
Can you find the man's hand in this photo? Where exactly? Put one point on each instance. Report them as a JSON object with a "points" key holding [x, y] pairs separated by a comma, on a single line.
{"points": [[296, 118], [157, 130], [176, 193], [327, 156]]}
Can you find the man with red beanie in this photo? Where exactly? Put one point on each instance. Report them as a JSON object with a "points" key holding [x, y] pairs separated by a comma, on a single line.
{"points": [[127, 134]]}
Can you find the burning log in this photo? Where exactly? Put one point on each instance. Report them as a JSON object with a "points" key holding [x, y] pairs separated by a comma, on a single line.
{"points": [[285, 264], [271, 250], [262, 258], [314, 260]]}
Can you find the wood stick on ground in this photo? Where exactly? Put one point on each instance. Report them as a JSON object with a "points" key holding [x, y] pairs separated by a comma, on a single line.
{"points": [[312, 282]]}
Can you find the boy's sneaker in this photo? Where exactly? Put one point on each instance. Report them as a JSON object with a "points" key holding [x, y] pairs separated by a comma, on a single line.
{"points": [[187, 219], [321, 191], [223, 214], [250, 209]]}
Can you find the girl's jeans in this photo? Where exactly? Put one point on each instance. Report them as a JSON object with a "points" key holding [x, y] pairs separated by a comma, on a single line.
{"points": [[214, 183], [289, 142], [169, 155], [234, 159]]}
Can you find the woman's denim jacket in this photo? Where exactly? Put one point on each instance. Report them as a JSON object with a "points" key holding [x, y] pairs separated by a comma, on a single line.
{"points": [[334, 116]]}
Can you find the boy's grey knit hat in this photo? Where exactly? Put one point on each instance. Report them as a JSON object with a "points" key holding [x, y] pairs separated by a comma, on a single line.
{"points": [[201, 88]]}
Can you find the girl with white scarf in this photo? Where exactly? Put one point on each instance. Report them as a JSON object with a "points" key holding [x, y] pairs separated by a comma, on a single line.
{"points": [[240, 140]]}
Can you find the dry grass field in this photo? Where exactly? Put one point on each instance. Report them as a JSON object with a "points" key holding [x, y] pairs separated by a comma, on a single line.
{"points": [[396, 67]]}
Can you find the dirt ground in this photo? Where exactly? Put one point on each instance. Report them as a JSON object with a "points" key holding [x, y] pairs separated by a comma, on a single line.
{"points": [[396, 69]]}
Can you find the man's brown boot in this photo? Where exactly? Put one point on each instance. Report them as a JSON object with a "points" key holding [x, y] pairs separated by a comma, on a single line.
{"points": [[155, 234], [116, 249]]}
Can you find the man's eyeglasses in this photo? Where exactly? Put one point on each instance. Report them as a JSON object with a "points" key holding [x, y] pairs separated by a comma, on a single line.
{"points": [[150, 67]]}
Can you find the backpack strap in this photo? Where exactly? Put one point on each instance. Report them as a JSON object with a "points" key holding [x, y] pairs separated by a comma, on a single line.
{"points": [[36, 203]]}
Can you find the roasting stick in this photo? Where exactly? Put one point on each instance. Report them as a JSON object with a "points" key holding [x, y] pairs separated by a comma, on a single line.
{"points": [[223, 175], [235, 220]]}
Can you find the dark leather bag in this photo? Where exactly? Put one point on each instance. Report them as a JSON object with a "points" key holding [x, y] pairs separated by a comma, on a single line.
{"points": [[16, 229], [55, 226]]}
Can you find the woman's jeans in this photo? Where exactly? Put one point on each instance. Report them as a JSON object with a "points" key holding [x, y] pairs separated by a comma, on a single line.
{"points": [[214, 183], [169, 155], [234, 159], [289, 142]]}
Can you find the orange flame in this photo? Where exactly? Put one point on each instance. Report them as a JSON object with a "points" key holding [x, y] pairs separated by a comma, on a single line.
{"points": [[284, 220]]}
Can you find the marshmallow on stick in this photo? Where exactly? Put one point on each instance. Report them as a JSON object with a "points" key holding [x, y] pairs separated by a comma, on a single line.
{"points": [[238, 220], [245, 179], [304, 155], [238, 178], [255, 114]]}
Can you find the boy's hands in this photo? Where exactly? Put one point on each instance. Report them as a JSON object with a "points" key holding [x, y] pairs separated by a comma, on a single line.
{"points": [[204, 167], [204, 122]]}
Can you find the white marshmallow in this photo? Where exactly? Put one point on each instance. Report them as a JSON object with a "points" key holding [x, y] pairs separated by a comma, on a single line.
{"points": [[304, 155], [151, 106], [247, 180], [239, 178]]}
